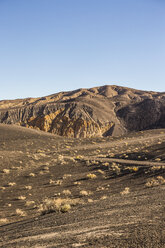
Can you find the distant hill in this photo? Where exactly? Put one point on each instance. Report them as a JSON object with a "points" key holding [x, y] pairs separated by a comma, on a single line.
{"points": [[100, 111]]}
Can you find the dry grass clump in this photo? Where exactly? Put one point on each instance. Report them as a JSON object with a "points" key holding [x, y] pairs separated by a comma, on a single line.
{"points": [[101, 171], [103, 197], [132, 169], [85, 193], [28, 187], [125, 191], [21, 197], [66, 176], [11, 184], [61, 159], [3, 221], [77, 183], [116, 168], [100, 188], [105, 164], [29, 203], [155, 168], [71, 159], [66, 192], [20, 212], [159, 180], [135, 169], [31, 175], [52, 181], [79, 157], [57, 205], [6, 171], [91, 176], [57, 182], [2, 188], [157, 159]]}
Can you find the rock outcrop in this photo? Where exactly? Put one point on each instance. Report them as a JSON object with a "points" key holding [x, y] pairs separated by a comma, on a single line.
{"points": [[100, 111]]}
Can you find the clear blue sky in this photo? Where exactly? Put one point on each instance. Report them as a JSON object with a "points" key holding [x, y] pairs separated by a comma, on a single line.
{"points": [[47, 46]]}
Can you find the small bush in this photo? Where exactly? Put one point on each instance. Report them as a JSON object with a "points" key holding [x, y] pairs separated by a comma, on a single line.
{"points": [[3, 221], [57, 205], [21, 197], [28, 187], [6, 171], [159, 180], [66, 192], [65, 208], [84, 193], [20, 212], [31, 175], [11, 184], [29, 203], [91, 176], [125, 191]]}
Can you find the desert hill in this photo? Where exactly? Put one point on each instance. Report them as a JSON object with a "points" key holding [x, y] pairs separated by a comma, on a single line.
{"points": [[100, 111]]}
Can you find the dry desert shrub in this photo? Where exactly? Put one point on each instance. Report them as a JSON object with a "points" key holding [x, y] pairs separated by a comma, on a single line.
{"points": [[84, 193], [103, 197], [159, 180], [77, 183], [31, 175], [125, 191], [21, 197], [157, 159], [101, 171], [91, 176], [66, 192], [58, 182], [105, 164], [57, 205], [116, 168], [79, 157], [102, 155], [6, 171], [52, 181], [28, 187], [29, 203], [20, 212], [11, 184], [2, 188], [3, 221], [61, 159], [155, 167], [132, 169], [135, 169], [66, 176]]}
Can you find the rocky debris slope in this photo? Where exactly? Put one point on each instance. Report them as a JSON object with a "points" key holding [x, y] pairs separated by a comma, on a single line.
{"points": [[99, 111]]}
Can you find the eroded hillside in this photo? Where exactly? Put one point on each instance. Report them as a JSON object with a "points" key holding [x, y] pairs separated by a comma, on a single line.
{"points": [[100, 111]]}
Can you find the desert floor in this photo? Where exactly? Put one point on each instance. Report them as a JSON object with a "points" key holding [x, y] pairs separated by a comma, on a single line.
{"points": [[93, 192]]}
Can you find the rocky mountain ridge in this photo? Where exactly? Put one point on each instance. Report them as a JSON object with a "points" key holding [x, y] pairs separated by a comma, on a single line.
{"points": [[100, 111]]}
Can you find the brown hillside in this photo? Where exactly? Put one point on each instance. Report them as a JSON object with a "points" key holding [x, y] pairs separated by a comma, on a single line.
{"points": [[99, 111]]}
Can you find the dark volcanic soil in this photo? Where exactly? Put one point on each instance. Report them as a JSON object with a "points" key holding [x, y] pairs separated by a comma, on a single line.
{"points": [[115, 187]]}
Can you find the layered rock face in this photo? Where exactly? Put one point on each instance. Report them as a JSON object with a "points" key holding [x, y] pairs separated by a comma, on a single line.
{"points": [[100, 111]]}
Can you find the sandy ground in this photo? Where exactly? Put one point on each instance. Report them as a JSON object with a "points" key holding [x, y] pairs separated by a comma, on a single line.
{"points": [[122, 205]]}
